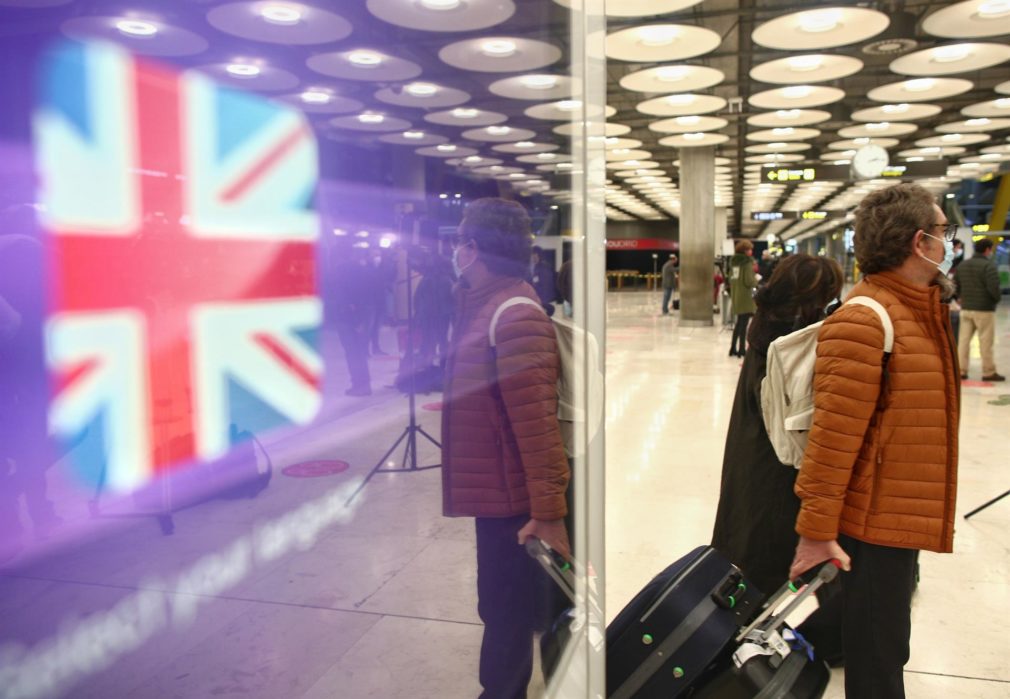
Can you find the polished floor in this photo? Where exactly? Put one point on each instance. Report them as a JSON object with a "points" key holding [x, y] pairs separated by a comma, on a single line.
{"points": [[378, 599]]}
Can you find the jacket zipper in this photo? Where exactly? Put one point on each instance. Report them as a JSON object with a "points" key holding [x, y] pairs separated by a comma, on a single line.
{"points": [[950, 442]]}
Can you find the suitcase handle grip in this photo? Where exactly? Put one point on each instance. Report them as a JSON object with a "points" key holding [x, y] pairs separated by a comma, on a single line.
{"points": [[799, 589], [826, 573]]}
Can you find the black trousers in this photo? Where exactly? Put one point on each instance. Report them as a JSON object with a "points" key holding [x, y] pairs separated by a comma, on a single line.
{"points": [[515, 599], [354, 339], [873, 612], [739, 341]]}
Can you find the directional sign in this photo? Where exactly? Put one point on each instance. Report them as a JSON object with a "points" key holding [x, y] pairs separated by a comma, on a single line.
{"points": [[810, 215], [817, 172]]}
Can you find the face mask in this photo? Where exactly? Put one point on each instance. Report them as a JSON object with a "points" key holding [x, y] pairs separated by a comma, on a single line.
{"points": [[948, 255], [455, 264]]}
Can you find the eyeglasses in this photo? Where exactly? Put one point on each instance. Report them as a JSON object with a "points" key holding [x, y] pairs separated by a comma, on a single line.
{"points": [[459, 240], [949, 230]]}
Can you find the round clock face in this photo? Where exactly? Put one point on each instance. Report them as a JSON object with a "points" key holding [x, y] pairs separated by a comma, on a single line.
{"points": [[869, 161]]}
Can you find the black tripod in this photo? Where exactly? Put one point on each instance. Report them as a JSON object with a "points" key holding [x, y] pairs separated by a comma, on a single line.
{"points": [[410, 432], [991, 502]]}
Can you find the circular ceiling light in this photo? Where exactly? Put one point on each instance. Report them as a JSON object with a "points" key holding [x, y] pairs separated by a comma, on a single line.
{"points": [[243, 70], [981, 121], [919, 85], [994, 9], [365, 59], [688, 120], [680, 100], [370, 118], [538, 82], [465, 113], [315, 97], [281, 14], [136, 28], [951, 137], [446, 147], [498, 130], [895, 108], [784, 131], [440, 5], [413, 135], [568, 105], [694, 136], [819, 21], [878, 126], [788, 114], [498, 48], [421, 89], [528, 144], [796, 91], [473, 159], [672, 74]]}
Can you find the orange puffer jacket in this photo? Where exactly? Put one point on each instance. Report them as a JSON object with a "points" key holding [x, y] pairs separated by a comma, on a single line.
{"points": [[881, 466], [502, 453]]}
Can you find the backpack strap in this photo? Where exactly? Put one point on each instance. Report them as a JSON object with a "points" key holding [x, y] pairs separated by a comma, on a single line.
{"points": [[885, 319], [505, 305]]}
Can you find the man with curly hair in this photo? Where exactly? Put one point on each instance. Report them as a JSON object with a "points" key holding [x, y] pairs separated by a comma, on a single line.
{"points": [[879, 475], [503, 459]]}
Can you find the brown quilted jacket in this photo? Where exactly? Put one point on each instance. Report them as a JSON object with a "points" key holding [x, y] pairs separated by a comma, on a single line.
{"points": [[881, 465], [502, 453]]}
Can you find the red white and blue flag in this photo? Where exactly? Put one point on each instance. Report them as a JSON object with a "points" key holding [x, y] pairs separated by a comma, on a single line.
{"points": [[184, 305]]}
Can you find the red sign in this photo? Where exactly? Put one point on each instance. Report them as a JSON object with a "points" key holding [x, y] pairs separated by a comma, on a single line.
{"points": [[642, 244]]}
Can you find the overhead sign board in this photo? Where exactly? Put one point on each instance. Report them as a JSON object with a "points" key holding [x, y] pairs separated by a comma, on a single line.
{"points": [[810, 215], [817, 172]]}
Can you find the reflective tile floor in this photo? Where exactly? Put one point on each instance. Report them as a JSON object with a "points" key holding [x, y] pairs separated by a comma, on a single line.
{"points": [[291, 594]]}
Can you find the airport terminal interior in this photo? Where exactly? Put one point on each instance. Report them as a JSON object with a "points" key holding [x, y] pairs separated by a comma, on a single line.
{"points": [[228, 234]]}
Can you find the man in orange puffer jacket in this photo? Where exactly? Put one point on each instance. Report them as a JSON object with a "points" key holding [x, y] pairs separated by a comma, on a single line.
{"points": [[878, 478]]}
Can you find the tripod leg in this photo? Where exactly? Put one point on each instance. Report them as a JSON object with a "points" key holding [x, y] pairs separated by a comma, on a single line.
{"points": [[991, 502], [378, 466], [429, 437]]}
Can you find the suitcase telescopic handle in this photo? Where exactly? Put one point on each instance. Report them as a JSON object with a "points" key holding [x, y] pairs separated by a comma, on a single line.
{"points": [[799, 590]]}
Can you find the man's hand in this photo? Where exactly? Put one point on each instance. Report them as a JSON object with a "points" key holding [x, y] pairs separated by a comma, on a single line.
{"points": [[810, 552], [551, 531]]}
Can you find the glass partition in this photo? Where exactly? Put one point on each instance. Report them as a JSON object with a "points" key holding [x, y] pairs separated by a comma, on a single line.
{"points": [[250, 404]]}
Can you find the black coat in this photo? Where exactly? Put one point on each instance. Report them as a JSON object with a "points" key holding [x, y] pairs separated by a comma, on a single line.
{"points": [[754, 524]]}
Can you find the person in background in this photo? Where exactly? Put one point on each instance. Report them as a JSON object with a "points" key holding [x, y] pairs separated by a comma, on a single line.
{"points": [[977, 282], [669, 282], [878, 479], [767, 265], [542, 278], [353, 309], [742, 280], [503, 459], [958, 254]]}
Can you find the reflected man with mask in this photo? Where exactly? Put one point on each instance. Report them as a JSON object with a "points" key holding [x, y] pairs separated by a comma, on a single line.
{"points": [[503, 458]]}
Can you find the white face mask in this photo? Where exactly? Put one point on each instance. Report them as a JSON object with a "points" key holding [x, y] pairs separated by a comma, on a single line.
{"points": [[948, 254], [455, 263]]}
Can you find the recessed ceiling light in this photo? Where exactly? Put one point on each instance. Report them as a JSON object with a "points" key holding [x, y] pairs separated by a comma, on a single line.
{"points": [[982, 121], [990, 156], [281, 14], [472, 159], [671, 74], [862, 140], [440, 5], [365, 59], [687, 120], [783, 131], [788, 114], [465, 113], [564, 166], [546, 156], [568, 105], [243, 70], [658, 35], [931, 149], [693, 136], [524, 144], [517, 175], [498, 130], [919, 85], [878, 126], [1003, 103], [421, 89], [993, 9], [951, 137], [894, 108], [777, 144], [680, 100], [498, 48], [951, 53], [539, 82], [369, 118], [136, 27], [315, 97], [446, 148], [803, 64], [796, 91], [818, 21], [413, 135]]}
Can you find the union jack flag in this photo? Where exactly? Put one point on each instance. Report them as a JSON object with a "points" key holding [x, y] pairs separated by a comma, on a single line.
{"points": [[181, 259]]}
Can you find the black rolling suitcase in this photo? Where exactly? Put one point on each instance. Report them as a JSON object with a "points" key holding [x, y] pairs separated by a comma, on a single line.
{"points": [[698, 630]]}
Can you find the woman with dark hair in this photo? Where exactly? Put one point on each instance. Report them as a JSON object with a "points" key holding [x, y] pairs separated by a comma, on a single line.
{"points": [[757, 507], [741, 291]]}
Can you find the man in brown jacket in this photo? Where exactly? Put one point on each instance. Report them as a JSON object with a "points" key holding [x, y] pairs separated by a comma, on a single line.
{"points": [[503, 460], [878, 478]]}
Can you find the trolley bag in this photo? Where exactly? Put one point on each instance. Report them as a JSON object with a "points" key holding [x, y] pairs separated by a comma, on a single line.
{"points": [[678, 632], [772, 661]]}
